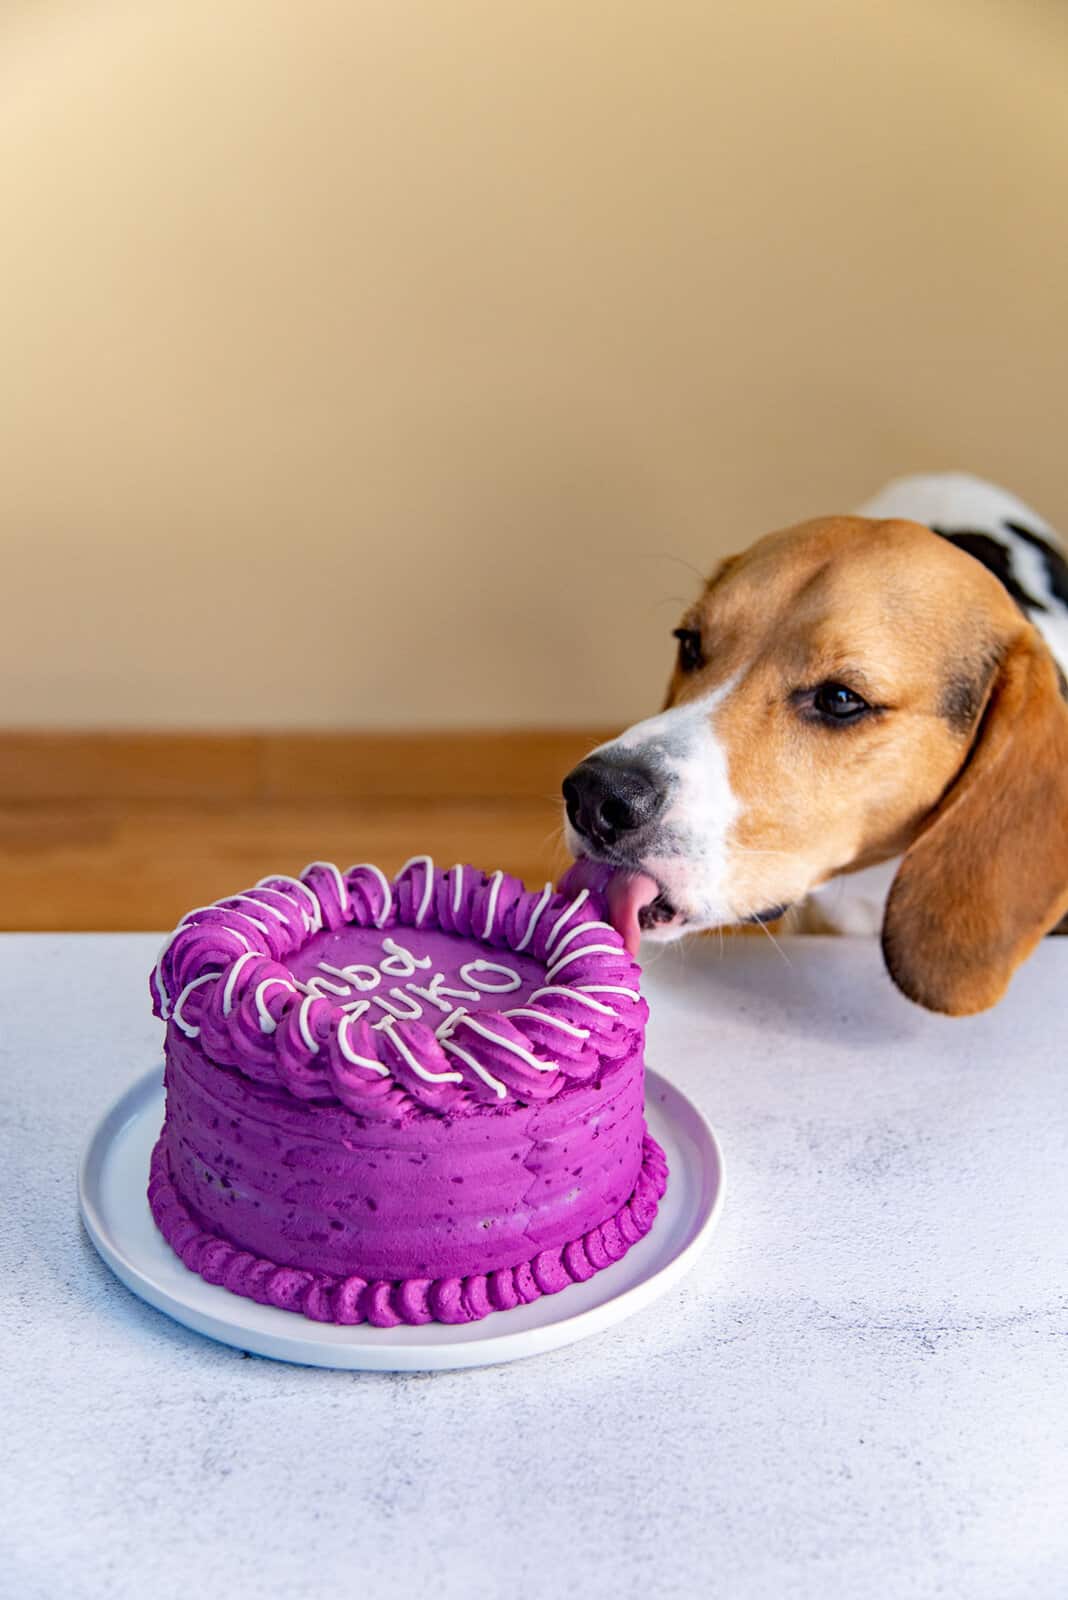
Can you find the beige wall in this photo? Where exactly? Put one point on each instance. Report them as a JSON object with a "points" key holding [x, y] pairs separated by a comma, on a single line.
{"points": [[390, 363]]}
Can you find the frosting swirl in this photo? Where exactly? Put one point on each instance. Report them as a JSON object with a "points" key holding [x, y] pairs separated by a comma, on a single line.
{"points": [[225, 977]]}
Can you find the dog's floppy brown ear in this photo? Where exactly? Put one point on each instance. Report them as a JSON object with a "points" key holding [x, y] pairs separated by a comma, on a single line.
{"points": [[988, 874]]}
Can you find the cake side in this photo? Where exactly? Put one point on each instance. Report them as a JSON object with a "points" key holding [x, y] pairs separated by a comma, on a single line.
{"points": [[388, 1303], [419, 1195]]}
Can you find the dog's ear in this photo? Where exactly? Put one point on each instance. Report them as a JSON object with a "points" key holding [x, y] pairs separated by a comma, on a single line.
{"points": [[988, 874]]}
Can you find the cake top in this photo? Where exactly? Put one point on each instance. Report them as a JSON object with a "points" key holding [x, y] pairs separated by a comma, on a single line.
{"points": [[450, 989]]}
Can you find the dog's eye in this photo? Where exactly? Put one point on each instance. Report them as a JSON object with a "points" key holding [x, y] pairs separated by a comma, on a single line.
{"points": [[836, 702], [691, 656]]}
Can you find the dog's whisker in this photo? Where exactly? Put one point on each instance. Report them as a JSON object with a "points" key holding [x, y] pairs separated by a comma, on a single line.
{"points": [[775, 942], [750, 919], [673, 600], [666, 555]]}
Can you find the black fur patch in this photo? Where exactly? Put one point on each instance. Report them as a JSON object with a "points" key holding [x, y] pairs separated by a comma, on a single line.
{"points": [[1052, 559], [965, 691], [995, 558], [960, 702]]}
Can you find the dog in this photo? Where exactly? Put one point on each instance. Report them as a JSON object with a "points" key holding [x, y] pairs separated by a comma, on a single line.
{"points": [[875, 700]]}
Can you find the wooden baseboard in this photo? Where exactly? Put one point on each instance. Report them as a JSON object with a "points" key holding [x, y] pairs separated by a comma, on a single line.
{"points": [[289, 767]]}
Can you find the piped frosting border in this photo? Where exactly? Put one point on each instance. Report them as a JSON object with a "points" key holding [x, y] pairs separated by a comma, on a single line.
{"points": [[223, 980], [387, 1304]]}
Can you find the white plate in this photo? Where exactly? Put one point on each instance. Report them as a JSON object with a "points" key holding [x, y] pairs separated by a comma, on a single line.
{"points": [[111, 1189]]}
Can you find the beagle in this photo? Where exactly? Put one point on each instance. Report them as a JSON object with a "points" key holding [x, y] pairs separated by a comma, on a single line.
{"points": [[885, 688]]}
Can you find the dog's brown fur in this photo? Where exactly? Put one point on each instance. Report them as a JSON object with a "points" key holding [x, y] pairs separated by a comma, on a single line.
{"points": [[968, 706]]}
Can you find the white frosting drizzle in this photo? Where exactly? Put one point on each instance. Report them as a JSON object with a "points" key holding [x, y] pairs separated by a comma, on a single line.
{"points": [[322, 986], [231, 979], [507, 1044], [416, 1066], [267, 1022], [198, 911], [491, 910], [606, 988], [301, 911], [547, 1016], [573, 933], [512, 980], [574, 994], [401, 962], [223, 905], [314, 919], [279, 916], [351, 1055], [576, 955], [339, 883], [476, 1066], [580, 899], [387, 892], [303, 1024], [428, 888], [409, 1010], [543, 901], [161, 987], [444, 1029], [351, 975], [437, 987], [396, 953], [184, 927], [187, 1028]]}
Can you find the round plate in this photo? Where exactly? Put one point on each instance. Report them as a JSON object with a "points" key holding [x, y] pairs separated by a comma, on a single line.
{"points": [[111, 1189]]}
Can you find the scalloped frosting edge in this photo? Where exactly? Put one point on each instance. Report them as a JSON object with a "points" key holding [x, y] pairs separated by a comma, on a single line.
{"points": [[413, 1301], [222, 980]]}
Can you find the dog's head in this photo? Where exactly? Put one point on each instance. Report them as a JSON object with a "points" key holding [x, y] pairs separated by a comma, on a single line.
{"points": [[843, 692]]}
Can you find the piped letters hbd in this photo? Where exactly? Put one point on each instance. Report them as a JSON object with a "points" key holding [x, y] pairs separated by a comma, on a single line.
{"points": [[390, 982]]}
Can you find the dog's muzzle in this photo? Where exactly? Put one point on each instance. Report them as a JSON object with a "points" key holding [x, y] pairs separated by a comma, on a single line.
{"points": [[613, 800]]}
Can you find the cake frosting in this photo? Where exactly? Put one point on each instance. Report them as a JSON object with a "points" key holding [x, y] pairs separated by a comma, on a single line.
{"points": [[401, 1101]]}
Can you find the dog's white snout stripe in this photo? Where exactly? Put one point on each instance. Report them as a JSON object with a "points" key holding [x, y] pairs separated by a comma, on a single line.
{"points": [[689, 852]]}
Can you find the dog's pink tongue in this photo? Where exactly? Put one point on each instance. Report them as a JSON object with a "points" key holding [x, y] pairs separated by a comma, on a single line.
{"points": [[627, 893]]}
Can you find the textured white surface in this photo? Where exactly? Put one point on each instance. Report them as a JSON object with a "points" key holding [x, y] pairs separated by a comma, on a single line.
{"points": [[860, 1390]]}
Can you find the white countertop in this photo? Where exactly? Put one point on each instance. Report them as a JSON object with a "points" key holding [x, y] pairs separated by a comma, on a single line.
{"points": [[861, 1390]]}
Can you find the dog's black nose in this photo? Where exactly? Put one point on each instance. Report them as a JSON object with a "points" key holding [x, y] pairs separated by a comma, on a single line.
{"points": [[606, 799]]}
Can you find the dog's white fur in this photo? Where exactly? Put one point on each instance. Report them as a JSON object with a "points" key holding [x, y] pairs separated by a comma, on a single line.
{"points": [[703, 809]]}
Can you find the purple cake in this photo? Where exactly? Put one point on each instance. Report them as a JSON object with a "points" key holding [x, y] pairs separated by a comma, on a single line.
{"points": [[401, 1102]]}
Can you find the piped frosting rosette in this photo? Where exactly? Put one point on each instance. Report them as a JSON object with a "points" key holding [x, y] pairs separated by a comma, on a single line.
{"points": [[224, 979]]}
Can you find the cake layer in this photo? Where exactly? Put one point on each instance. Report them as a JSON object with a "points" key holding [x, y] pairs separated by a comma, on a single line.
{"points": [[387, 1304], [419, 1195]]}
